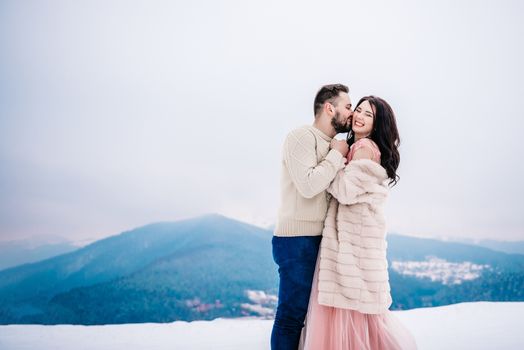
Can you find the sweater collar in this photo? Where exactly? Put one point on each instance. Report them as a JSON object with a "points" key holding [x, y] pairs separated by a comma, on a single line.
{"points": [[321, 134]]}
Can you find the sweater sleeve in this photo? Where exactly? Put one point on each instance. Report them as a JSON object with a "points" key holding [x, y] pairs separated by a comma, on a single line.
{"points": [[309, 176]]}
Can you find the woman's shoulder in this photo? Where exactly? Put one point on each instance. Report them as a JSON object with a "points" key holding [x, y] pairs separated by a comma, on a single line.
{"points": [[365, 142], [368, 147]]}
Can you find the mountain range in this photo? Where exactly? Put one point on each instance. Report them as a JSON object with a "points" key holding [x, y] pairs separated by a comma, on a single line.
{"points": [[14, 253], [213, 266]]}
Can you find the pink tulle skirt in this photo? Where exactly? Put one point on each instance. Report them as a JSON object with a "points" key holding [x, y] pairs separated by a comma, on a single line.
{"points": [[330, 328]]}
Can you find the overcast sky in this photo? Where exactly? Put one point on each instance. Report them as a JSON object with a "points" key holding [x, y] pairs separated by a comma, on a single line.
{"points": [[116, 114]]}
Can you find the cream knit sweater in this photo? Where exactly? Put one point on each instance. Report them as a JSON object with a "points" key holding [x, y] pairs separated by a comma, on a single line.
{"points": [[308, 167], [353, 270]]}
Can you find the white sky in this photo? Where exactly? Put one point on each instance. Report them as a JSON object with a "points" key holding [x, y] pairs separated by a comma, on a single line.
{"points": [[121, 113]]}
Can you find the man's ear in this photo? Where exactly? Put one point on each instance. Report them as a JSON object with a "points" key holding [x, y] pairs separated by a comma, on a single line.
{"points": [[329, 108]]}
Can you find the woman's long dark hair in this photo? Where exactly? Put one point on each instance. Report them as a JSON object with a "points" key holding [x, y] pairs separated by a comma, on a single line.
{"points": [[384, 134]]}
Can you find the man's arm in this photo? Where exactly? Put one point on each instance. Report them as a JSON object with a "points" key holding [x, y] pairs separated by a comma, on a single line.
{"points": [[310, 177]]}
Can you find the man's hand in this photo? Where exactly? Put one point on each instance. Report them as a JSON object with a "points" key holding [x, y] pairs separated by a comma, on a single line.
{"points": [[341, 146]]}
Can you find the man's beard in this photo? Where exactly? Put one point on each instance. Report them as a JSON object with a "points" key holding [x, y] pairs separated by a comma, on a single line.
{"points": [[338, 126]]}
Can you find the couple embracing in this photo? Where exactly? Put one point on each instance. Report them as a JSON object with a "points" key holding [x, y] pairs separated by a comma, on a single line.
{"points": [[329, 242]]}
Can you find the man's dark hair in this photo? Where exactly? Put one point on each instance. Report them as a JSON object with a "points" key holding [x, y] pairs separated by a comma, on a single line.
{"points": [[328, 93]]}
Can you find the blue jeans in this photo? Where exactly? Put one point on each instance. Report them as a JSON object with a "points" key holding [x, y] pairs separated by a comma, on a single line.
{"points": [[296, 258]]}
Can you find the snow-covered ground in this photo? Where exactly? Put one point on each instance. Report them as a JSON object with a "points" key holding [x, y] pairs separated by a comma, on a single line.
{"points": [[480, 325]]}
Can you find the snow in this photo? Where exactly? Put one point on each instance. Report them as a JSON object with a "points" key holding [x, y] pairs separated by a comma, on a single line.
{"points": [[479, 325]]}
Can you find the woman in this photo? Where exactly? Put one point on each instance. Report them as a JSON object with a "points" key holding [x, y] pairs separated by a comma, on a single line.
{"points": [[350, 297]]}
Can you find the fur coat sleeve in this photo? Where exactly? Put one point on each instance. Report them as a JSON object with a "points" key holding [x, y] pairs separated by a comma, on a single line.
{"points": [[361, 181]]}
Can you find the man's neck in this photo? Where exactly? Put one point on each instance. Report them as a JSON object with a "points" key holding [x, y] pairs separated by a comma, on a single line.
{"points": [[323, 124]]}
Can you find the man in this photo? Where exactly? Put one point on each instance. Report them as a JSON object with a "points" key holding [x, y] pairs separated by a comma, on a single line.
{"points": [[311, 159]]}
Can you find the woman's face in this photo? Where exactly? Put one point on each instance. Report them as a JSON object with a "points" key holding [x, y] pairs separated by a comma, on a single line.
{"points": [[363, 119]]}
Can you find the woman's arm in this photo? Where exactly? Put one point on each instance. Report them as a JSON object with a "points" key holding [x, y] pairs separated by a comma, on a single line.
{"points": [[352, 182]]}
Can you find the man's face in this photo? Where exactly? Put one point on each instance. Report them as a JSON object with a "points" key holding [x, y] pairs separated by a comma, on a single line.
{"points": [[341, 120]]}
